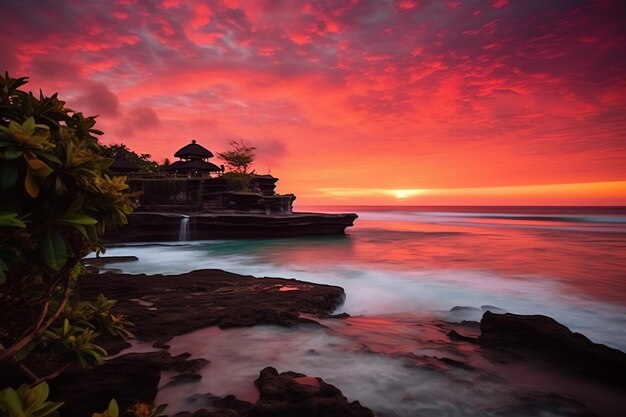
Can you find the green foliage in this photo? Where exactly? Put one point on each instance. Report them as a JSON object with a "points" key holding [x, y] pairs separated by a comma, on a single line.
{"points": [[111, 411], [238, 181], [56, 202], [27, 402], [240, 157], [142, 160]]}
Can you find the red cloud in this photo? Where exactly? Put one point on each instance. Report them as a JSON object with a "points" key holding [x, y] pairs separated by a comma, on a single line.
{"points": [[499, 93]]}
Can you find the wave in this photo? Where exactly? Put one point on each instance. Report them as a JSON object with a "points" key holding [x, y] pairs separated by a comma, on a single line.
{"points": [[482, 218], [529, 217]]}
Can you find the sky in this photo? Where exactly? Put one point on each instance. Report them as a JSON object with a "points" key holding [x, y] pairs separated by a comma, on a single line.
{"points": [[352, 101]]}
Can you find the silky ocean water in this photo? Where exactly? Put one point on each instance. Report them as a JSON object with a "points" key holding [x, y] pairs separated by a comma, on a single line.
{"points": [[403, 270]]}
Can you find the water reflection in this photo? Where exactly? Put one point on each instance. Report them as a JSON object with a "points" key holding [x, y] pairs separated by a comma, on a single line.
{"points": [[403, 271], [394, 262], [397, 365]]}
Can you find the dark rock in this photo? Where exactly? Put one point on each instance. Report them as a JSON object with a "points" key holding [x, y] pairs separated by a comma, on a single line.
{"points": [[206, 298], [231, 403], [470, 323], [162, 343], [456, 336], [464, 309], [291, 394], [543, 339], [541, 404], [339, 316], [206, 413], [456, 364], [458, 313], [154, 227], [222, 406], [128, 378], [104, 260], [180, 363], [493, 309], [183, 379]]}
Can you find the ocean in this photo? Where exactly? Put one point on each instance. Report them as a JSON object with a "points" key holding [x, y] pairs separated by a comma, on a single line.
{"points": [[404, 270]]}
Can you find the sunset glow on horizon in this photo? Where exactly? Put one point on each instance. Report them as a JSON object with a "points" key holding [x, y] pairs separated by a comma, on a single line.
{"points": [[603, 193], [495, 102]]}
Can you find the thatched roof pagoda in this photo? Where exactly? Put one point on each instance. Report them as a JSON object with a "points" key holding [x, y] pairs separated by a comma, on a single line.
{"points": [[194, 161], [193, 151]]}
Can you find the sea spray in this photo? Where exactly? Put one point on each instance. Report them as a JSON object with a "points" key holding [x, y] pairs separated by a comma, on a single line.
{"points": [[411, 266]]}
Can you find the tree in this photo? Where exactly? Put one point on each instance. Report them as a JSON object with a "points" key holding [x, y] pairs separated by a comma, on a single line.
{"points": [[143, 161], [56, 202], [240, 157]]}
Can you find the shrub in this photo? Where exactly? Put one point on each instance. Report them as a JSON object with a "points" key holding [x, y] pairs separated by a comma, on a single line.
{"points": [[56, 203], [238, 181]]}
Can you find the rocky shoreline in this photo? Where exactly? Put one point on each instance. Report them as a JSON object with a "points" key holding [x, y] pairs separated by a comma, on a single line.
{"points": [[163, 307], [166, 306]]}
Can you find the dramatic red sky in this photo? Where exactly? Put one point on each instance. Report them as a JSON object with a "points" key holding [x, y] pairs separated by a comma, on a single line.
{"points": [[352, 101]]}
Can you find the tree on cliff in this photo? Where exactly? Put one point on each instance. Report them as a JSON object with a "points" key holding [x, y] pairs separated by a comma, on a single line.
{"points": [[56, 201], [240, 157], [143, 160]]}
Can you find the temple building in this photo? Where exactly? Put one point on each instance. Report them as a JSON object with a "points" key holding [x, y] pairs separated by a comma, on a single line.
{"points": [[194, 185], [194, 162]]}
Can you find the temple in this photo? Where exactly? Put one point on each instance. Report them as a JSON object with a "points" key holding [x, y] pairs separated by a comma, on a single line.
{"points": [[193, 184], [194, 199]]}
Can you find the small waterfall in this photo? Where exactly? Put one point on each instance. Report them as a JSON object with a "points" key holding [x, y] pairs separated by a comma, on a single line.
{"points": [[183, 233]]}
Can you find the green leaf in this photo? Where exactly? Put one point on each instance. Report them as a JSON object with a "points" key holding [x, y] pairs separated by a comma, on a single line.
{"points": [[13, 153], [76, 205], [113, 409], [53, 250], [11, 401], [66, 327], [8, 175], [29, 126], [8, 219], [50, 157], [78, 219], [47, 409], [96, 355], [37, 396]]}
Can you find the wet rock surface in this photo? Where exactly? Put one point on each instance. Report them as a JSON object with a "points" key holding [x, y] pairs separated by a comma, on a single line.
{"points": [[105, 260], [166, 306], [291, 394], [543, 340]]}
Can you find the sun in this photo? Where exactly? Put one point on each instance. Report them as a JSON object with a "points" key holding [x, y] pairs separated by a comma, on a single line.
{"points": [[404, 194]]}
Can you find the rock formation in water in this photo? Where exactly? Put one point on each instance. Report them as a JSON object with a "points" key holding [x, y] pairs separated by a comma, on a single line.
{"points": [[545, 341], [155, 227], [292, 394]]}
